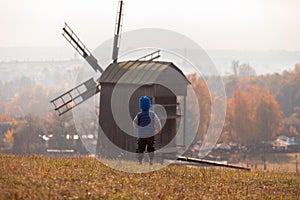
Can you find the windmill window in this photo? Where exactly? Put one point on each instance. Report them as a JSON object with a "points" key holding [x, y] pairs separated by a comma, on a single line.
{"points": [[81, 89], [78, 100], [74, 93], [63, 109], [59, 101]]}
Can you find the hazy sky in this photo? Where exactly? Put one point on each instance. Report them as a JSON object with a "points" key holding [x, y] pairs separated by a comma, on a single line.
{"points": [[213, 24]]}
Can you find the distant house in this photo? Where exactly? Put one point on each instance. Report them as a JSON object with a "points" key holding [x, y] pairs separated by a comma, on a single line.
{"points": [[283, 142]]}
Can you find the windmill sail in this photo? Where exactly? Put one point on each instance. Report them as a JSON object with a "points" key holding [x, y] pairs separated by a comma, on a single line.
{"points": [[118, 30], [75, 96], [150, 57], [81, 48]]}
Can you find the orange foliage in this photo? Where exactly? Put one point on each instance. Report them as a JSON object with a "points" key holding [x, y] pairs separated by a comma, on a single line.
{"points": [[8, 139], [269, 117], [253, 115], [4, 118], [204, 104]]}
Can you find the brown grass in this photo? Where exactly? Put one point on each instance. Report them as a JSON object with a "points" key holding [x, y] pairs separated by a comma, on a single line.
{"points": [[37, 177]]}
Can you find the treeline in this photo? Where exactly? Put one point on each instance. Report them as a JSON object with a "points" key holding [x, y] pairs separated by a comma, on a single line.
{"points": [[23, 96], [34, 134], [259, 108], [283, 86], [33, 126]]}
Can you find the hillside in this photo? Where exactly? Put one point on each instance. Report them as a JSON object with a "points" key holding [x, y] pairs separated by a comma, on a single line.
{"points": [[36, 177]]}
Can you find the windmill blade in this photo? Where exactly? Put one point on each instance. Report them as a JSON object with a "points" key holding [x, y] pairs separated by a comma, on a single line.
{"points": [[81, 48], [150, 57], [75, 96], [118, 30]]}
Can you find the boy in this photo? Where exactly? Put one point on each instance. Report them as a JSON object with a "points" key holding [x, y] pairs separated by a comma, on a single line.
{"points": [[148, 125]]}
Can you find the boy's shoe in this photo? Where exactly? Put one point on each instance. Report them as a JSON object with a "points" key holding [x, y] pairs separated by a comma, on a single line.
{"points": [[151, 162]]}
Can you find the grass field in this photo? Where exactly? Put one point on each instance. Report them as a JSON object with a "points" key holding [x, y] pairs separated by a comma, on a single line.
{"points": [[36, 177], [281, 162]]}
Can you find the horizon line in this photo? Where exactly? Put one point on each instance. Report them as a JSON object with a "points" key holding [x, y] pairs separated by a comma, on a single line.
{"points": [[208, 49]]}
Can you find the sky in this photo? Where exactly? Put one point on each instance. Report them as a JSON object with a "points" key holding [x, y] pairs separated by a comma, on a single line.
{"points": [[213, 24]]}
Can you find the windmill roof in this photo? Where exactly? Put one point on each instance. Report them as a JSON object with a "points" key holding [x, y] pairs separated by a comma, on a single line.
{"points": [[138, 72]]}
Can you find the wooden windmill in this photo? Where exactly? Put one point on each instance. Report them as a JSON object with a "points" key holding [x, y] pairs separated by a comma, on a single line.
{"points": [[146, 73]]}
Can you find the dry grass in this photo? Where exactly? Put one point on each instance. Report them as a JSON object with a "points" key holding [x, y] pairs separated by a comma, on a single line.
{"points": [[284, 162], [36, 177]]}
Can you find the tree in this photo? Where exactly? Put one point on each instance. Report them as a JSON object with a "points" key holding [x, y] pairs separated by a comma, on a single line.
{"points": [[268, 117], [204, 104], [253, 115], [59, 127], [4, 118], [26, 136], [242, 70], [229, 130], [7, 129], [244, 118], [8, 139], [286, 89]]}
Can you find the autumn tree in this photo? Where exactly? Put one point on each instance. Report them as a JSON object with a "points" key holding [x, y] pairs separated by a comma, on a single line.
{"points": [[268, 117], [59, 127], [6, 132], [26, 136], [229, 130], [34, 100], [253, 115], [283, 86], [203, 101], [8, 139], [244, 117]]}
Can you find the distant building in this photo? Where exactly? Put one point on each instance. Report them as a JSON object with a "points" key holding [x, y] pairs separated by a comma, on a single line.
{"points": [[283, 142]]}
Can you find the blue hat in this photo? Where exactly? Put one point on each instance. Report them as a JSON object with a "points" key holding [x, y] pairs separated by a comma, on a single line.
{"points": [[145, 103]]}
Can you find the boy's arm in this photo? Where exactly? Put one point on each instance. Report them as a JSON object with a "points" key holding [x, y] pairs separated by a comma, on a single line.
{"points": [[157, 124], [135, 122]]}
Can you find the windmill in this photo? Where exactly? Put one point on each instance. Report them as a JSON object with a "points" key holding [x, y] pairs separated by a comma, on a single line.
{"points": [[142, 69]]}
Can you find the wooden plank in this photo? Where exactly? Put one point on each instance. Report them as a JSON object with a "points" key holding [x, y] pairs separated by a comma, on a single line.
{"points": [[212, 163]]}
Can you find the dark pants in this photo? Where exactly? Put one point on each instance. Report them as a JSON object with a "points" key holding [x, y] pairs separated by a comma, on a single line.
{"points": [[142, 143]]}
